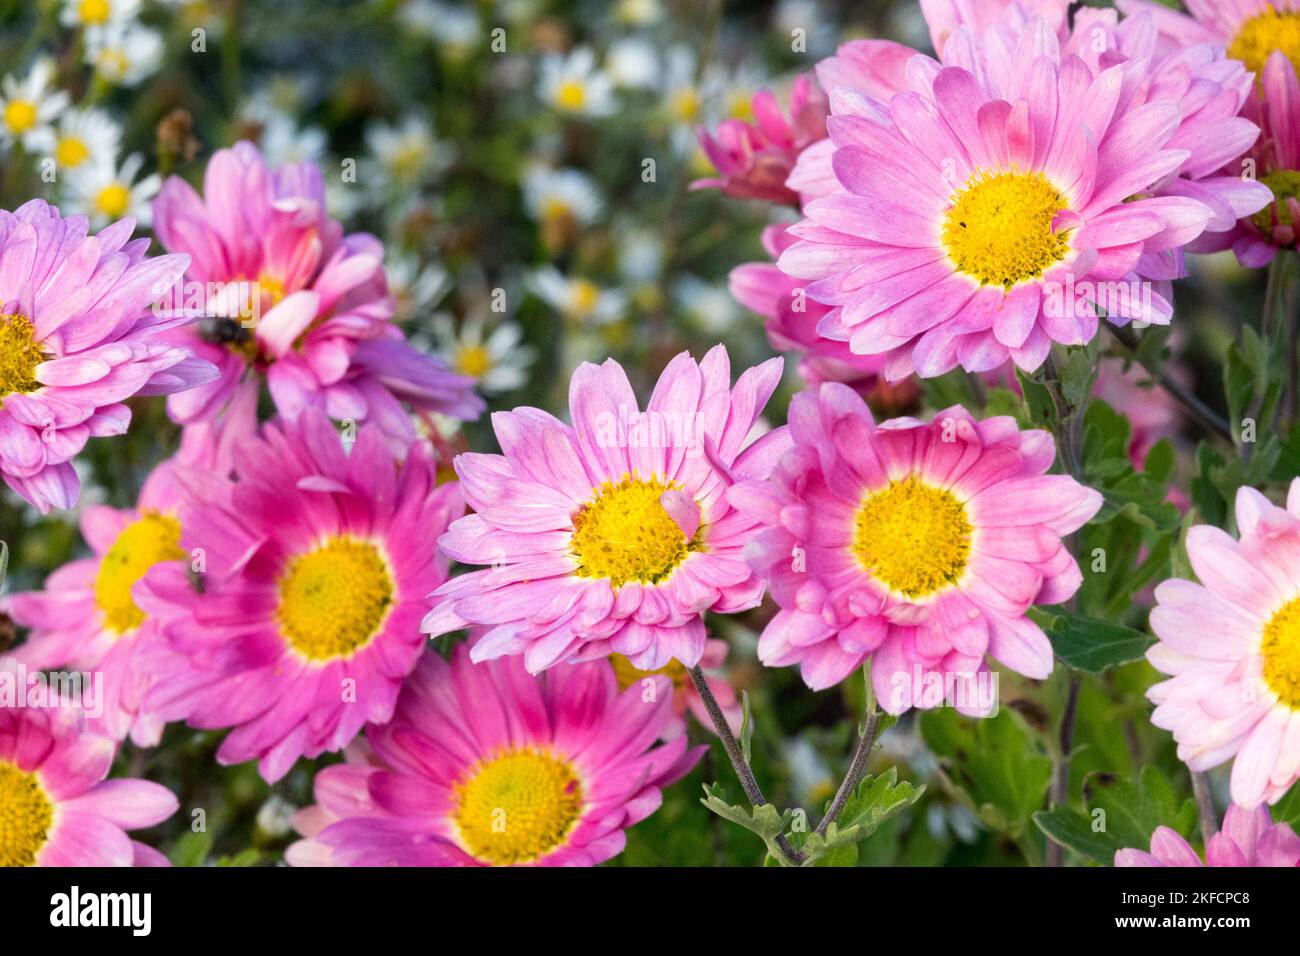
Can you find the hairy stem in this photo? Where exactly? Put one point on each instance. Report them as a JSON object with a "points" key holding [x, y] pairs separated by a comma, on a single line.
{"points": [[1060, 791], [860, 756], [1205, 805]]}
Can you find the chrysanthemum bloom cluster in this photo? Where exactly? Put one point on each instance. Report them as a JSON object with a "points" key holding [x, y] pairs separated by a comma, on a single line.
{"points": [[1248, 838], [919, 544], [1231, 645], [486, 765], [86, 618], [1007, 175], [316, 567], [56, 808], [78, 337], [303, 303], [612, 535]]}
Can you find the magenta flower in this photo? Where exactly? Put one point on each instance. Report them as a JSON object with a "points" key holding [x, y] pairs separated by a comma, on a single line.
{"points": [[1248, 838], [317, 564], [266, 254], [486, 765], [611, 535], [56, 808], [988, 211], [755, 159], [942, 17], [1231, 645], [78, 338], [87, 618], [919, 545]]}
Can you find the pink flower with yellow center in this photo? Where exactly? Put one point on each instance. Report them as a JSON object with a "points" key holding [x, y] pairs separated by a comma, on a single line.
{"points": [[1006, 177], [487, 765], [78, 337], [314, 566], [613, 534], [289, 296], [56, 807], [918, 544], [87, 618], [1231, 645], [1248, 838]]}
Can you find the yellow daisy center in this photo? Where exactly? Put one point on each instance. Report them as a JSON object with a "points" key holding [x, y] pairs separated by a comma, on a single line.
{"points": [[571, 95], [517, 806], [627, 675], [472, 360], [1281, 651], [1262, 34], [113, 200], [334, 599], [999, 229], [142, 544], [741, 106], [912, 537], [94, 11], [584, 295], [19, 355], [555, 208], [71, 151], [113, 62], [20, 116], [26, 815], [625, 534], [685, 105]]}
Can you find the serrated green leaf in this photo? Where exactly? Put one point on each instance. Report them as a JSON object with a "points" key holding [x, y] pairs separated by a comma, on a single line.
{"points": [[1074, 831], [1134, 809]]}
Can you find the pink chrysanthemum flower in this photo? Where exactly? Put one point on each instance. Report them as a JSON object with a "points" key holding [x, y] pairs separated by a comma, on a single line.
{"points": [[1248, 838], [486, 765], [56, 808], [265, 253], [988, 209], [685, 697], [611, 535], [1231, 645], [755, 159], [78, 337], [918, 544], [87, 617], [317, 567], [1250, 30]]}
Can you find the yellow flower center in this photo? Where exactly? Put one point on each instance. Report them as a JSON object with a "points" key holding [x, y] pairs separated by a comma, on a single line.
{"points": [[19, 355], [1262, 34], [142, 544], [999, 229], [472, 360], [684, 104], [741, 106], [584, 296], [334, 599], [94, 11], [625, 534], [113, 200], [517, 806], [571, 95], [26, 815], [1281, 651], [20, 116], [627, 675], [912, 537], [555, 208], [113, 62], [71, 151]]}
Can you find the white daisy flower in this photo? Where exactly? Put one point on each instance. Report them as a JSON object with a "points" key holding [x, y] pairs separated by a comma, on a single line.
{"points": [[498, 363], [638, 12], [416, 287], [689, 101], [633, 63], [98, 13], [408, 155], [123, 54], [280, 139], [83, 138], [640, 255], [28, 107], [573, 84], [711, 307], [106, 193], [561, 195], [456, 29], [576, 298]]}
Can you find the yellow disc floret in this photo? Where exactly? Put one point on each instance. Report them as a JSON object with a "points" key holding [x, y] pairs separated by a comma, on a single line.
{"points": [[912, 537], [625, 534], [999, 228], [1281, 652], [517, 806], [26, 815], [141, 545], [1262, 34], [334, 599], [627, 675], [19, 355]]}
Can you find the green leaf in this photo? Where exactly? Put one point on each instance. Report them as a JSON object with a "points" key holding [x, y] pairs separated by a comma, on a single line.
{"points": [[766, 821], [1287, 810], [1133, 810], [1088, 644], [873, 802], [1074, 831], [746, 727]]}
